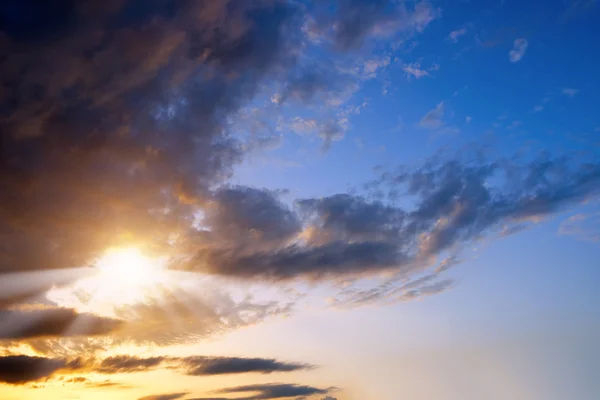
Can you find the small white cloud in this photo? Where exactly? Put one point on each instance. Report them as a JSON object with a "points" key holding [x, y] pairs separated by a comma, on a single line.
{"points": [[454, 35], [468, 119], [518, 50], [276, 98], [538, 108], [371, 67], [571, 92], [433, 119], [415, 70]]}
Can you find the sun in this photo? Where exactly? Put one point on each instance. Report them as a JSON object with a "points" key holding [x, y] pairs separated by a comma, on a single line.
{"points": [[127, 265], [121, 277], [126, 276]]}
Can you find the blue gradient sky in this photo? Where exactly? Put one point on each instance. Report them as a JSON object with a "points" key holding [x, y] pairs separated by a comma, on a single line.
{"points": [[522, 319]]}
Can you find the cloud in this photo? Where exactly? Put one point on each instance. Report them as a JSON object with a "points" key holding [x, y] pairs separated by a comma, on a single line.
{"points": [[329, 130], [203, 366], [372, 66], [454, 203], [455, 35], [127, 364], [433, 118], [143, 106], [53, 322], [415, 70], [538, 108], [582, 226], [196, 365], [269, 391], [237, 211], [18, 370], [109, 384], [518, 50], [468, 119], [358, 19], [168, 396], [570, 92], [137, 106]]}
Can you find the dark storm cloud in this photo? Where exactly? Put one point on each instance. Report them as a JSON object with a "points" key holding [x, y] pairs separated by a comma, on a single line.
{"points": [[113, 112], [199, 366], [453, 202], [53, 322], [20, 369], [269, 391]]}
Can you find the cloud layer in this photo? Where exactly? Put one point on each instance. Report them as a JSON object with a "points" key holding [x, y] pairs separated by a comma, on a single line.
{"points": [[22, 369], [454, 202], [53, 322]]}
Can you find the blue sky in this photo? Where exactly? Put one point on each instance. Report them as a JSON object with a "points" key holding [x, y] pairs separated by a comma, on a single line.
{"points": [[293, 199]]}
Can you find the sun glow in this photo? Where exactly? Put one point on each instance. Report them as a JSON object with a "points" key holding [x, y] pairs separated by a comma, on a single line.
{"points": [[122, 276], [128, 266]]}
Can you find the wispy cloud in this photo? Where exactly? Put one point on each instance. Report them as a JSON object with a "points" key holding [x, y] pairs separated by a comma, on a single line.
{"points": [[518, 50], [582, 226], [455, 35], [269, 391], [433, 118], [165, 396], [570, 92], [415, 70]]}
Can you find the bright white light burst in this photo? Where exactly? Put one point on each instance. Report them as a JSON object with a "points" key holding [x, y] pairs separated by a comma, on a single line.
{"points": [[124, 276], [128, 266]]}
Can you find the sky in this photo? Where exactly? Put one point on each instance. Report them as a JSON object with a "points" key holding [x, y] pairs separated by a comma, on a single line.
{"points": [[297, 199]]}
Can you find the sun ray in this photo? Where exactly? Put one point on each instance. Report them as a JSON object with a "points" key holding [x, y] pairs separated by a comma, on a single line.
{"points": [[18, 286]]}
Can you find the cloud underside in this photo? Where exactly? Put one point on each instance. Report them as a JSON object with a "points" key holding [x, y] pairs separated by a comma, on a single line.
{"points": [[267, 392], [454, 202], [257, 392], [22, 369]]}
